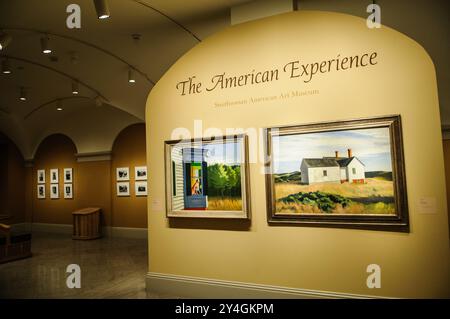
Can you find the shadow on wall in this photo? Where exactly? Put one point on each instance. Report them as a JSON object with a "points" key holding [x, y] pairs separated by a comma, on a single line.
{"points": [[12, 183]]}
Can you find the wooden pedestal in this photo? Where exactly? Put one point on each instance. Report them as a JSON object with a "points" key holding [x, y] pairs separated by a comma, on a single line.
{"points": [[86, 224]]}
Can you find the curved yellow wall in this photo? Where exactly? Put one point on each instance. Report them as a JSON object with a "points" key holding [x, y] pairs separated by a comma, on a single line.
{"points": [[414, 264]]}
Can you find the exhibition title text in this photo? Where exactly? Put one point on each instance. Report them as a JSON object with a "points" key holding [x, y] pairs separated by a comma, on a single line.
{"points": [[305, 72]]}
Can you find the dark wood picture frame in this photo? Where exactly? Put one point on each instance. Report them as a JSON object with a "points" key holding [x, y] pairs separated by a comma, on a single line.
{"points": [[398, 222]]}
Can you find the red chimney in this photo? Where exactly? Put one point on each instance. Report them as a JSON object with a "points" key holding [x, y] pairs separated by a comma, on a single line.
{"points": [[336, 153], [349, 152]]}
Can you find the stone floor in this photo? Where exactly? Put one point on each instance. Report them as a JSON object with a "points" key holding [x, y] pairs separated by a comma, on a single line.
{"points": [[110, 268]]}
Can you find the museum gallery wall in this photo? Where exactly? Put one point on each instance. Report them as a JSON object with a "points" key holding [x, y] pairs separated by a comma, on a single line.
{"points": [[92, 183], [289, 71], [12, 184]]}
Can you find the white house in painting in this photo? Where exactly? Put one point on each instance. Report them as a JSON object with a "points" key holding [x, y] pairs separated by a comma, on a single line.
{"points": [[333, 170]]}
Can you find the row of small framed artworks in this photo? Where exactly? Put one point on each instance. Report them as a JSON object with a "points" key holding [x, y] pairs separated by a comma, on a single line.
{"points": [[54, 191], [140, 189], [123, 184], [54, 175], [123, 173]]}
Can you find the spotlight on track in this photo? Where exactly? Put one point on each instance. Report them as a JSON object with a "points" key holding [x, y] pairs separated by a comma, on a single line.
{"points": [[59, 107], [131, 77], [101, 6], [23, 94], [6, 67], [75, 89], [5, 40], [45, 45]]}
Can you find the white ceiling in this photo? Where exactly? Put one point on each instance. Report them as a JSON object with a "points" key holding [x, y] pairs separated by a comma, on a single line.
{"points": [[103, 49]]}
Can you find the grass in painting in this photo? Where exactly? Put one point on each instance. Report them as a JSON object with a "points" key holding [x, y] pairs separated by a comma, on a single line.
{"points": [[224, 203], [375, 197]]}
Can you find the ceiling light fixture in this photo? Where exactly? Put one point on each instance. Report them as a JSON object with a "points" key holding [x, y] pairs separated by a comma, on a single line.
{"points": [[59, 107], [6, 67], [23, 94], [44, 45], [75, 90], [101, 6], [5, 40], [131, 78]]}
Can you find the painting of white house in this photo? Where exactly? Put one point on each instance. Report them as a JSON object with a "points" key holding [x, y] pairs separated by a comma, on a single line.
{"points": [[344, 172]]}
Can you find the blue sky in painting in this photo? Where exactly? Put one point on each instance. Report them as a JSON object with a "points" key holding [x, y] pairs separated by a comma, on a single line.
{"points": [[227, 153], [371, 146]]}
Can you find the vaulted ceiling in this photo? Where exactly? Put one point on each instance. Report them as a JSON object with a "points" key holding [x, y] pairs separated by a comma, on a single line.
{"points": [[146, 36]]}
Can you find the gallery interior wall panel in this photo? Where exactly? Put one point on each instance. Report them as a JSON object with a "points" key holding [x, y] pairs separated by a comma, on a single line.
{"points": [[129, 151], [13, 182], [55, 152], [401, 80]]}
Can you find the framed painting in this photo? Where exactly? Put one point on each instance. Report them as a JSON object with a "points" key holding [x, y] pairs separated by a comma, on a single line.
{"points": [[68, 191], [68, 175], [122, 174], [41, 191], [140, 173], [123, 189], [207, 178], [54, 176], [140, 188], [54, 191], [41, 176], [340, 174]]}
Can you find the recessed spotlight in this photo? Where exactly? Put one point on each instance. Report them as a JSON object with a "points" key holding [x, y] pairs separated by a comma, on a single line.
{"points": [[23, 94], [5, 40], [101, 6], [45, 46], [131, 78], [6, 67], [75, 90], [59, 107]]}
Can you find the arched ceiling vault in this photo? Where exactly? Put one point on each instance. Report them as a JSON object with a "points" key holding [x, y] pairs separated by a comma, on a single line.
{"points": [[146, 36]]}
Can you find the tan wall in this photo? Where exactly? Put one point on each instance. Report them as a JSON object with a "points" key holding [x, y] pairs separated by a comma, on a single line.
{"points": [[446, 145], [94, 182], [129, 151], [12, 197], [57, 151], [414, 264], [94, 187]]}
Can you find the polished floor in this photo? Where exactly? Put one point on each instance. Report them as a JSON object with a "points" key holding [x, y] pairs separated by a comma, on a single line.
{"points": [[110, 268]]}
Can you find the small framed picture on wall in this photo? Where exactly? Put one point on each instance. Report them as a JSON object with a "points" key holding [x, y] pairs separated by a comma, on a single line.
{"points": [[41, 191], [123, 189], [54, 191], [68, 172], [54, 178], [41, 176], [141, 188], [140, 173], [68, 191], [123, 174]]}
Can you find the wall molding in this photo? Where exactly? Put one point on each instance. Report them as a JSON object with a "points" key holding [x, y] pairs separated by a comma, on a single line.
{"points": [[93, 157], [108, 232], [196, 287]]}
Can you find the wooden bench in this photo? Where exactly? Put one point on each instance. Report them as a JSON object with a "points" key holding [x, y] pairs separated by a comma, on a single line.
{"points": [[13, 246]]}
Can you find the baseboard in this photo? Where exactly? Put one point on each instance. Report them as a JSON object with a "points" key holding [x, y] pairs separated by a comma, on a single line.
{"points": [[125, 232], [52, 228], [21, 227], [194, 287], [116, 232]]}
